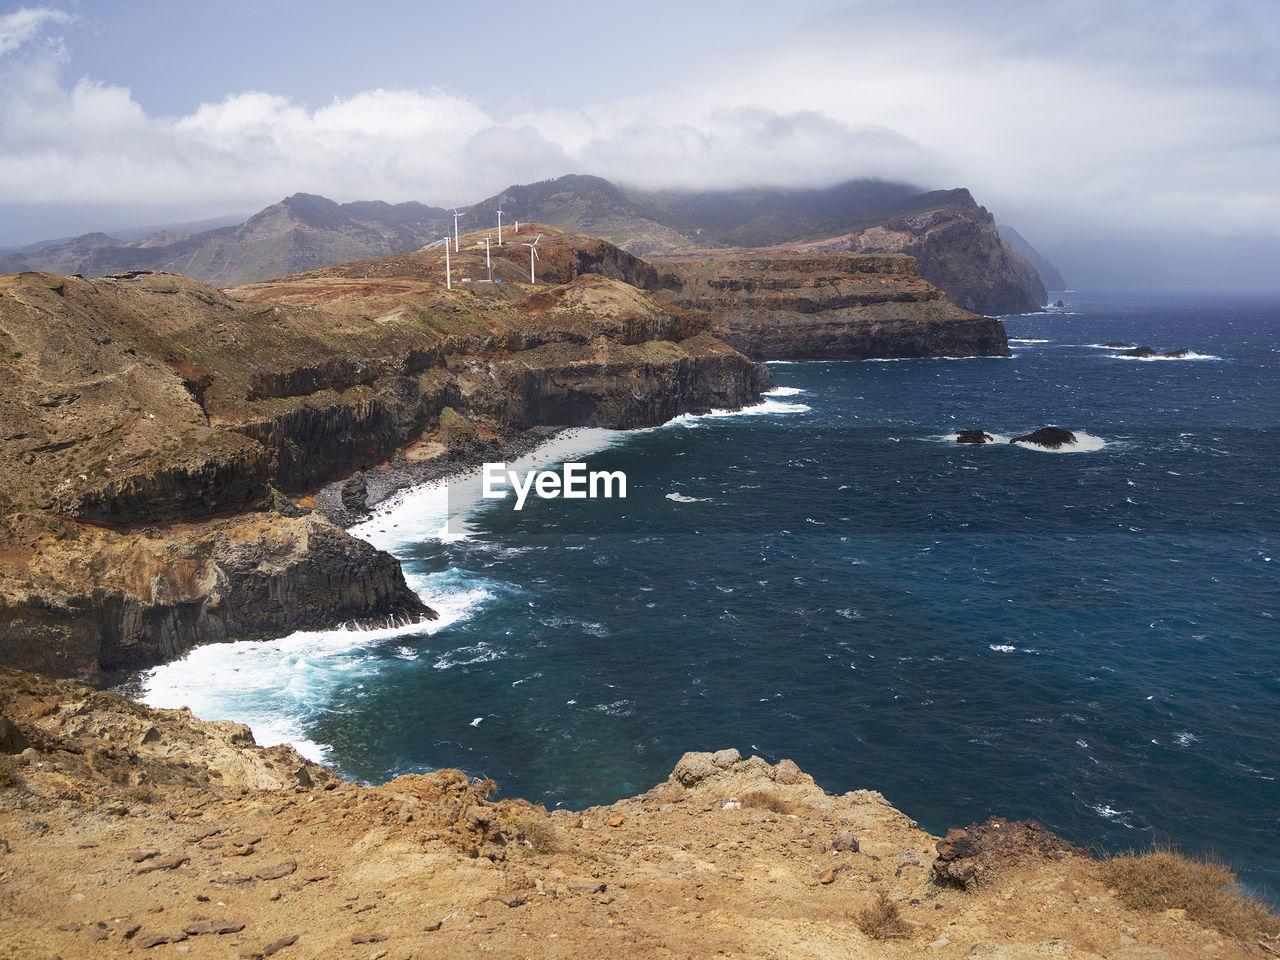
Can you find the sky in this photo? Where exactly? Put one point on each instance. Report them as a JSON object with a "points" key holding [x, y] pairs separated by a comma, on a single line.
{"points": [[1136, 142]]}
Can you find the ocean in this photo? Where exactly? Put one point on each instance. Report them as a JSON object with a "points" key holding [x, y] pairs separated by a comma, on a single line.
{"points": [[1084, 638]]}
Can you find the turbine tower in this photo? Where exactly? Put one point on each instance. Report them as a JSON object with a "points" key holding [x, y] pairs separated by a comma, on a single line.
{"points": [[488, 264], [499, 224], [448, 271], [533, 255], [456, 215]]}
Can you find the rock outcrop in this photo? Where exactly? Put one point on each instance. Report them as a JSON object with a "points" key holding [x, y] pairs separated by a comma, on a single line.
{"points": [[92, 602], [830, 306], [126, 828], [1051, 437], [959, 250]]}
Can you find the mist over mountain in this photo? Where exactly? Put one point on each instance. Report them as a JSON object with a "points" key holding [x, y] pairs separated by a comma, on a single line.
{"points": [[306, 231]]}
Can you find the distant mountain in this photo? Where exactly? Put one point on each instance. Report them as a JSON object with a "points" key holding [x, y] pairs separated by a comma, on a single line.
{"points": [[662, 222], [299, 233], [1048, 272], [305, 232]]}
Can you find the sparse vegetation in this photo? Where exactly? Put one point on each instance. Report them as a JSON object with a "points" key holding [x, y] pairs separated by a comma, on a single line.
{"points": [[140, 794], [880, 919], [8, 770], [1207, 889], [766, 800], [538, 836]]}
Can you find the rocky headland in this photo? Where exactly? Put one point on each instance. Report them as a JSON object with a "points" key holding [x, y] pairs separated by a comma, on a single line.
{"points": [[829, 306], [959, 250], [158, 434], [166, 443], [131, 831]]}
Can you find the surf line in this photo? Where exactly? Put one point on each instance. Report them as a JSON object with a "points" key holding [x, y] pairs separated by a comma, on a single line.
{"points": [[573, 483]]}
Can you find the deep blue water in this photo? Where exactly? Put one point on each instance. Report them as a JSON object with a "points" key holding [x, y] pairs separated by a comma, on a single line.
{"points": [[1087, 639]]}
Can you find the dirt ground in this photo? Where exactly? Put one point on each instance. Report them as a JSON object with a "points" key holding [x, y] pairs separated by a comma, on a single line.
{"points": [[127, 830]]}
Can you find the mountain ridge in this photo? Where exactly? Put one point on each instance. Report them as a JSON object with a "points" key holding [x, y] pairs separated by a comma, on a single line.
{"points": [[975, 266]]}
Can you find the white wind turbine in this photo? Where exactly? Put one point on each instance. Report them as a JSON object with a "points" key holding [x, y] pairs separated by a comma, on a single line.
{"points": [[448, 271], [456, 215], [533, 255], [488, 264], [499, 225]]}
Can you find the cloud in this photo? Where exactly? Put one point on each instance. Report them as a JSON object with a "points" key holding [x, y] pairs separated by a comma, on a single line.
{"points": [[25, 24], [1078, 116]]}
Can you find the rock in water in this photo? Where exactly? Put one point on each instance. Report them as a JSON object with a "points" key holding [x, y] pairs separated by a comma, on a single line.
{"points": [[1118, 345], [1143, 351], [1180, 352], [1051, 437], [973, 436]]}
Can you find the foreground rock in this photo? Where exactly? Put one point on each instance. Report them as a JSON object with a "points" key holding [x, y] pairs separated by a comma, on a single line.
{"points": [[1051, 437], [974, 436], [266, 854]]}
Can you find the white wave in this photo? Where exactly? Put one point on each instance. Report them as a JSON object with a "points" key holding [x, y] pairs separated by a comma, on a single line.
{"points": [[1085, 443], [279, 687], [1028, 340], [681, 498], [784, 392], [1185, 739], [1001, 647], [1186, 356], [763, 408], [1108, 812], [441, 510], [481, 652]]}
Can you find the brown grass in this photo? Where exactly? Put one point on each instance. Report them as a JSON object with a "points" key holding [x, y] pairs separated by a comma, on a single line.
{"points": [[765, 800], [539, 836], [8, 770], [1207, 889], [880, 920]]}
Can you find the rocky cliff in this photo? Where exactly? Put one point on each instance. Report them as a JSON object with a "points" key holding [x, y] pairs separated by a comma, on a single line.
{"points": [[131, 830], [153, 428], [830, 306], [959, 250]]}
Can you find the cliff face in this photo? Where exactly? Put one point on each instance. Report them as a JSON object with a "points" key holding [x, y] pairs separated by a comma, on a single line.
{"points": [[87, 601], [151, 399], [832, 306], [958, 250]]}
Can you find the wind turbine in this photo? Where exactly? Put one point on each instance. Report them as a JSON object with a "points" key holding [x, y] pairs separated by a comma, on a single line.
{"points": [[533, 255], [456, 215], [448, 273], [499, 224], [488, 264]]}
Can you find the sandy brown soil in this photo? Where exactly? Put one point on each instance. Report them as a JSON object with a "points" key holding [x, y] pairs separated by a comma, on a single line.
{"points": [[135, 831]]}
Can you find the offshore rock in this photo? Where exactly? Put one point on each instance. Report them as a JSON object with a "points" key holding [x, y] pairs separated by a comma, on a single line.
{"points": [[1051, 437], [974, 436]]}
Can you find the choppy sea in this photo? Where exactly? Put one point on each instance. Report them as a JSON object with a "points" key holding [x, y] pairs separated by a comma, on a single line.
{"points": [[1087, 638]]}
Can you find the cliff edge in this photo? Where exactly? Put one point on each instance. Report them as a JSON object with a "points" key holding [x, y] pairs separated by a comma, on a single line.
{"points": [[128, 830]]}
